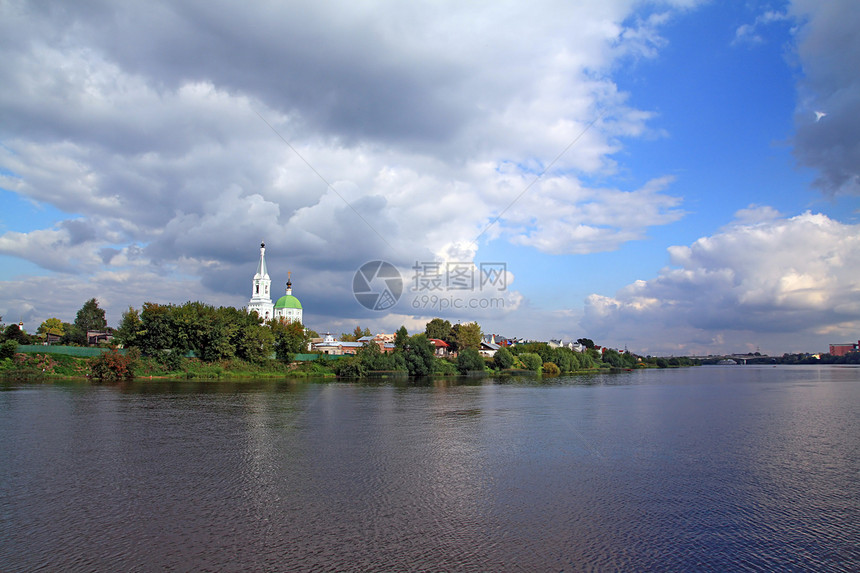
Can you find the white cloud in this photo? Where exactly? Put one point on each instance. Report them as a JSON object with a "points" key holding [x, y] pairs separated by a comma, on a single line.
{"points": [[140, 120], [755, 283]]}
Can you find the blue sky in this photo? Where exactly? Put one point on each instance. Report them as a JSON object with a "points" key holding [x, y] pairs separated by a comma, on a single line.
{"points": [[706, 209]]}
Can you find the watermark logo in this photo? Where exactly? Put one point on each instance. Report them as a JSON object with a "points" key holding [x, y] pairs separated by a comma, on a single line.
{"points": [[377, 285], [459, 276]]}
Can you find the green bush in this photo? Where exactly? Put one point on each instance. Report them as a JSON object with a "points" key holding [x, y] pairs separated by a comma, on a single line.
{"points": [[444, 367], [8, 349], [551, 369], [469, 360], [531, 361], [503, 359]]}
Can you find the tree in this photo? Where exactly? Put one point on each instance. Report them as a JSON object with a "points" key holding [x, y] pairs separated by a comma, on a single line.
{"points": [[371, 358], [14, 332], [290, 339], [8, 349], [586, 342], [531, 361], [438, 329], [52, 326], [401, 337], [356, 334], [503, 359], [130, 328], [90, 317], [157, 331], [255, 343], [469, 360], [612, 358], [469, 336], [418, 353]]}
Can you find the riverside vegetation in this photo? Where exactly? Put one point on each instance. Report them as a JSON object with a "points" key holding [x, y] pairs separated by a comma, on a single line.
{"points": [[196, 340]]}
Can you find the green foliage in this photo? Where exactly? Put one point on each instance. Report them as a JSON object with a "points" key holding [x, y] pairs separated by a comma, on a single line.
{"points": [[53, 326], [356, 334], [551, 369], [27, 366], [401, 338], [373, 359], [14, 333], [213, 334], [566, 359], [89, 317], [113, 366], [8, 349], [418, 355], [585, 360], [469, 360], [444, 367], [630, 360], [255, 343], [503, 359], [156, 331], [612, 358], [469, 336], [350, 367], [130, 328], [542, 349], [439, 329], [586, 342], [172, 361], [531, 361], [289, 338]]}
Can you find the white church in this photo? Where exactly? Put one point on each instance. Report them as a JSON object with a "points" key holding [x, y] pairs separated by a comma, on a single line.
{"points": [[288, 308]]}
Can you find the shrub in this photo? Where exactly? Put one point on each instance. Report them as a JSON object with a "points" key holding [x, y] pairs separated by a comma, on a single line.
{"points": [[469, 360], [550, 369], [503, 359], [444, 367], [112, 366], [350, 367], [8, 349], [531, 361]]}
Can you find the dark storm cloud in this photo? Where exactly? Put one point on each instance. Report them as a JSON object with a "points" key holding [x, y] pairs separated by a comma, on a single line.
{"points": [[337, 68], [828, 119]]}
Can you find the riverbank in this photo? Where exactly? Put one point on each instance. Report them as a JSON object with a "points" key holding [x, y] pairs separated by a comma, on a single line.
{"points": [[48, 366]]}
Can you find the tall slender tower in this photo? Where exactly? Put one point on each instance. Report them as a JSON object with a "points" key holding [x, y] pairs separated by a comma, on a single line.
{"points": [[261, 297]]}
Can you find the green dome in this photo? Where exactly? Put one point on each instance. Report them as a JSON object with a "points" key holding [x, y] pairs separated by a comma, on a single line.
{"points": [[288, 301]]}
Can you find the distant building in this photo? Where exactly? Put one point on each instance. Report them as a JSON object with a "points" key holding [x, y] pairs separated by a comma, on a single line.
{"points": [[488, 349], [843, 349], [96, 337], [287, 308], [442, 348], [559, 343], [331, 345]]}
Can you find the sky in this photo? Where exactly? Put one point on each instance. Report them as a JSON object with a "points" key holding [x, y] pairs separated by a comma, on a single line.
{"points": [[673, 177]]}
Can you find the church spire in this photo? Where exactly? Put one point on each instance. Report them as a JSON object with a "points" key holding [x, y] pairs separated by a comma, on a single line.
{"points": [[261, 298], [262, 273], [289, 283]]}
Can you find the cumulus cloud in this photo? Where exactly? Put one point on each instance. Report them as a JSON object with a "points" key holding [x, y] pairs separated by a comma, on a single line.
{"points": [[746, 286], [407, 129]]}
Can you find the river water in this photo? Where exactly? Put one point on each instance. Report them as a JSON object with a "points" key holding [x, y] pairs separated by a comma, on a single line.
{"points": [[700, 469]]}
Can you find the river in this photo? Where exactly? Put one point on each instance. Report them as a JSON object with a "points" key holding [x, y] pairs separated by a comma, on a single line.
{"points": [[737, 468]]}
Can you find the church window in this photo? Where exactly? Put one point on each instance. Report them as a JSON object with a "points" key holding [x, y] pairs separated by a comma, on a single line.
{"points": [[258, 289]]}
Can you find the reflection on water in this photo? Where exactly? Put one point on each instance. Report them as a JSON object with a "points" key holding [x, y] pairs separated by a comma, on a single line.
{"points": [[707, 469]]}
